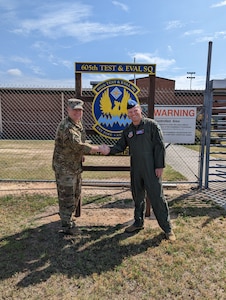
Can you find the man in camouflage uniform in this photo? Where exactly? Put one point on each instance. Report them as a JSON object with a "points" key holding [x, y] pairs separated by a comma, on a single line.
{"points": [[70, 146], [147, 155]]}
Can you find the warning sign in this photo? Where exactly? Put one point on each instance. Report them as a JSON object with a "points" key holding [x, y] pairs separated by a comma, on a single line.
{"points": [[178, 123]]}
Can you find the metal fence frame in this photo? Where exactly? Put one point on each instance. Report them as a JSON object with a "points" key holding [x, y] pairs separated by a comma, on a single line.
{"points": [[36, 111], [215, 167]]}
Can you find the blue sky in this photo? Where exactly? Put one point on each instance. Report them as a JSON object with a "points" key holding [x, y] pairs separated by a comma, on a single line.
{"points": [[41, 40]]}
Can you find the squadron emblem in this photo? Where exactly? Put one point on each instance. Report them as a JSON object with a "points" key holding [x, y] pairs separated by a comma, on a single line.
{"points": [[109, 107]]}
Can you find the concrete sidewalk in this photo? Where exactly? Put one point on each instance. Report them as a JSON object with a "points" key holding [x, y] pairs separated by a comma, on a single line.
{"points": [[183, 160]]}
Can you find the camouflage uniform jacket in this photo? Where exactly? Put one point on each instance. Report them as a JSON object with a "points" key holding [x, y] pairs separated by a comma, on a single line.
{"points": [[69, 147]]}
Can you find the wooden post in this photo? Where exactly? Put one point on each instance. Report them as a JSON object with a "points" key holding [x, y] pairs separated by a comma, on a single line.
{"points": [[78, 94], [78, 85], [151, 96], [79, 208], [148, 207]]}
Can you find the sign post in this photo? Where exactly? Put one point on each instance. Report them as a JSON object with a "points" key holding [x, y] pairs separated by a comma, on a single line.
{"points": [[112, 94]]}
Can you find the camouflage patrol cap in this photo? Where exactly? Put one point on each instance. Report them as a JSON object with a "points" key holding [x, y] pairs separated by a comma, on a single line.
{"points": [[75, 103]]}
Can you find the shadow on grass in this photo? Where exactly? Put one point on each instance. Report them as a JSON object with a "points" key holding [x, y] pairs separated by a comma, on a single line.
{"points": [[36, 254], [196, 204], [105, 198]]}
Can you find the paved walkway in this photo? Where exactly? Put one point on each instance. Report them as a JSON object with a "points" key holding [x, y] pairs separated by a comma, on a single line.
{"points": [[183, 160]]}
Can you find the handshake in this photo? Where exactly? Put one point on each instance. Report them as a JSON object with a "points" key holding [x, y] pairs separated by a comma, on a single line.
{"points": [[104, 149]]}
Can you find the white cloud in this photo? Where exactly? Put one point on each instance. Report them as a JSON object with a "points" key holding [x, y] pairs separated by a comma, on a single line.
{"points": [[56, 18], [35, 82], [28, 62], [174, 25], [56, 61], [41, 46], [45, 52], [169, 48], [219, 4], [20, 59], [215, 36], [95, 31], [193, 32], [162, 64], [183, 83], [204, 39], [36, 70], [121, 5], [73, 22], [14, 72], [219, 34]]}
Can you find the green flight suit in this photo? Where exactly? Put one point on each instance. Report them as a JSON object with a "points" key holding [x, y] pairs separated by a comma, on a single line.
{"points": [[147, 152]]}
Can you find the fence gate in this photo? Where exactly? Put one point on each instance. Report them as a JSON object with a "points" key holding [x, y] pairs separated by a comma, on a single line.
{"points": [[215, 170]]}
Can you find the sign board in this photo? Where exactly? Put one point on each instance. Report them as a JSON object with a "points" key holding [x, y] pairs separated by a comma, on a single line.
{"points": [[178, 123], [219, 84], [97, 67]]}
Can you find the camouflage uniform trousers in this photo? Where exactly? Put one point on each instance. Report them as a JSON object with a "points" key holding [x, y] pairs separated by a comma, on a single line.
{"points": [[69, 192]]}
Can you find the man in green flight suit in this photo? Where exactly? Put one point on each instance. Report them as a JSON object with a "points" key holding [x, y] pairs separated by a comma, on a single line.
{"points": [[70, 147], [147, 158]]}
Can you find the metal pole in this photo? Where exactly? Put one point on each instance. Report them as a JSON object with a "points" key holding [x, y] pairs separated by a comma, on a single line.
{"points": [[208, 136], [191, 77], [135, 81], [62, 105], [1, 129], [205, 118]]}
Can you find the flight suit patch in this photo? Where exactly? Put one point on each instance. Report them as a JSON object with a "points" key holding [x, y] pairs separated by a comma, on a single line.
{"points": [[141, 131], [130, 134]]}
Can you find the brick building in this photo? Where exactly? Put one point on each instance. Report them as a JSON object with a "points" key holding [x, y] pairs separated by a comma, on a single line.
{"points": [[33, 113]]}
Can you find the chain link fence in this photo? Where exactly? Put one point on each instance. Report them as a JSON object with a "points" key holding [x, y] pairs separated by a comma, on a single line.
{"points": [[28, 122]]}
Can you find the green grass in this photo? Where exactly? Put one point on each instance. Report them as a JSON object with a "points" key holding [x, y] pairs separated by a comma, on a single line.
{"points": [[32, 160], [26, 160], [220, 149], [169, 174], [104, 262]]}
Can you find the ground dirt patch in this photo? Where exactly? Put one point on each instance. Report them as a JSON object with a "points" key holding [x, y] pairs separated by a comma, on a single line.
{"points": [[118, 211]]}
